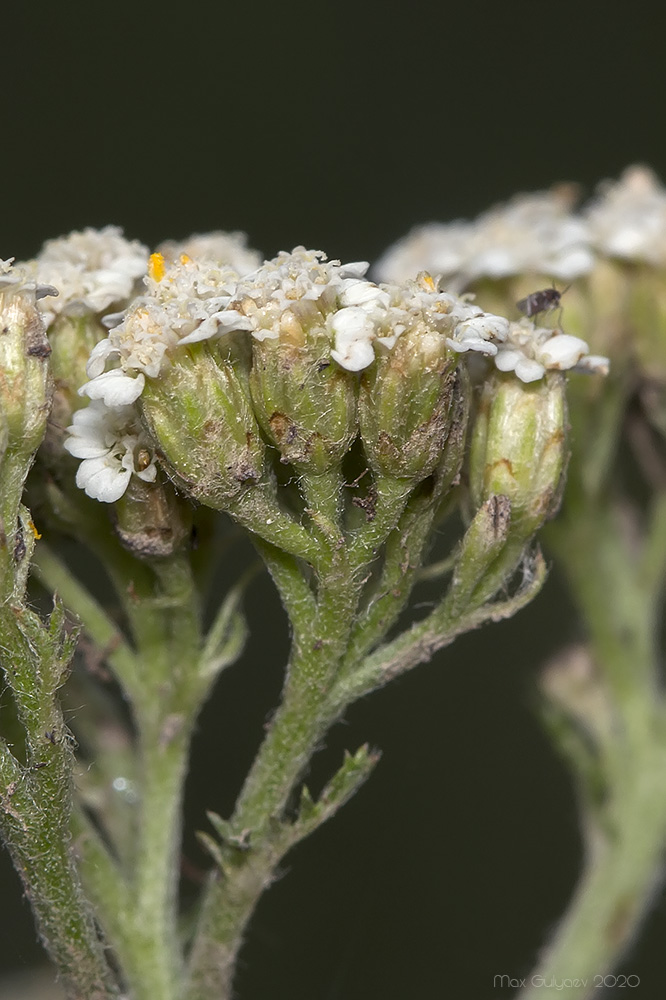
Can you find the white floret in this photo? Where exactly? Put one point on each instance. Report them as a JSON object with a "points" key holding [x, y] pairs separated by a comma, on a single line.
{"points": [[107, 440]]}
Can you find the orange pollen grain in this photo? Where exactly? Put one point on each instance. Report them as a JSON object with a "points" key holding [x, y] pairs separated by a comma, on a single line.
{"points": [[185, 258], [428, 282], [156, 266], [34, 530]]}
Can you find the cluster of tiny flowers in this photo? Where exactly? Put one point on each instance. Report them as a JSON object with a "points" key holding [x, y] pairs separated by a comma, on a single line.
{"points": [[185, 302], [530, 352], [292, 297], [628, 218], [92, 270], [220, 247], [540, 234], [531, 233]]}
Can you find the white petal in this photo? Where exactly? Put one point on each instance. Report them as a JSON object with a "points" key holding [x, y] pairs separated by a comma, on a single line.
{"points": [[563, 351], [102, 481], [486, 326], [115, 388], [355, 270], [593, 364], [529, 371], [216, 324], [472, 344], [357, 356], [363, 293], [507, 360], [98, 357], [352, 323], [148, 475], [81, 447]]}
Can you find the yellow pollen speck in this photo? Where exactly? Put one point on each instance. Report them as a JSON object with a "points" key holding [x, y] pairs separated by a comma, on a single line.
{"points": [[34, 531], [185, 258], [156, 266], [427, 280]]}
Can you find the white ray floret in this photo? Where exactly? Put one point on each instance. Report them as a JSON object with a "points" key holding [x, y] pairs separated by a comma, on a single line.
{"points": [[113, 446]]}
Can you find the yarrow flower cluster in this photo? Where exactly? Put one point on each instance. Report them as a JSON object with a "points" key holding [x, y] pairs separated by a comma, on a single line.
{"points": [[540, 234], [628, 218], [531, 233], [218, 247], [295, 296], [185, 302], [92, 270]]}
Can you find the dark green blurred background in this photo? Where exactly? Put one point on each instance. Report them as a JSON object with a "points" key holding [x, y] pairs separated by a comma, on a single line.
{"points": [[340, 128]]}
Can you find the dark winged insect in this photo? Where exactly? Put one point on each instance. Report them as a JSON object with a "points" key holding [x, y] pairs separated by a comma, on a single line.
{"points": [[541, 301]]}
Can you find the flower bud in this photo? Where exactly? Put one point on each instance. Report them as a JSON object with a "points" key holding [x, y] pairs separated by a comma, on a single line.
{"points": [[518, 448], [305, 403], [151, 520], [406, 404], [72, 338], [25, 385], [199, 414]]}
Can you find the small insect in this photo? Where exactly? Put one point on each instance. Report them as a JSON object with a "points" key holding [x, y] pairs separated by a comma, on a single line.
{"points": [[541, 301]]}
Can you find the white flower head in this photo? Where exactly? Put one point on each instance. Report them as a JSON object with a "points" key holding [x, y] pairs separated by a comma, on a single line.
{"points": [[531, 351], [535, 233], [628, 219], [217, 247], [298, 290], [435, 318], [92, 270], [185, 301], [114, 446]]}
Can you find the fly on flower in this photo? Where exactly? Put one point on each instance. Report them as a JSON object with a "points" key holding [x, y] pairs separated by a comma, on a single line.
{"points": [[541, 301]]}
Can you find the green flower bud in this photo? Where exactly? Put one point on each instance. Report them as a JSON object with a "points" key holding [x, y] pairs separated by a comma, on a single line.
{"points": [[406, 404], [199, 414], [151, 520], [305, 403], [72, 338], [518, 448], [25, 384]]}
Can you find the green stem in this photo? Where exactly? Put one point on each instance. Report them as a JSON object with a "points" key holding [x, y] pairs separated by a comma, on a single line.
{"points": [[297, 727], [258, 510], [404, 551], [391, 496], [55, 576], [152, 958], [616, 589], [165, 716], [63, 916], [619, 881]]}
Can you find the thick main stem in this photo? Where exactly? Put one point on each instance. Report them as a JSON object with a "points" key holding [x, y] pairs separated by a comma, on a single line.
{"points": [[615, 890], [154, 958], [625, 859], [165, 713]]}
